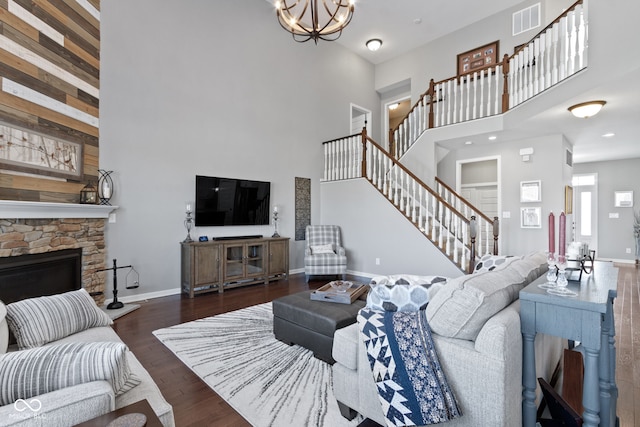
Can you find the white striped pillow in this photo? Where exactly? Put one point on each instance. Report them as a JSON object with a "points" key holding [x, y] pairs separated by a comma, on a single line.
{"points": [[36, 371], [37, 321]]}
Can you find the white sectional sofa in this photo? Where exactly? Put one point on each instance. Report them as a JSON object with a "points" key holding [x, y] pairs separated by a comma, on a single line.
{"points": [[82, 399], [475, 324]]}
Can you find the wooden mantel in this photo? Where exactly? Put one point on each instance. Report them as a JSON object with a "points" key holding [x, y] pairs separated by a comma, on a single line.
{"points": [[32, 210]]}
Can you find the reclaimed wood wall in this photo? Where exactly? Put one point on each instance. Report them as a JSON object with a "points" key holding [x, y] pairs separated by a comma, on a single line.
{"points": [[49, 87]]}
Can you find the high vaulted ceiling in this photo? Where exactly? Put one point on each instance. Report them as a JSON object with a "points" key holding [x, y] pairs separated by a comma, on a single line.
{"points": [[404, 25]]}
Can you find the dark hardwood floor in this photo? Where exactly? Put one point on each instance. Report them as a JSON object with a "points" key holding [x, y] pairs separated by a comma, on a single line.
{"points": [[195, 404]]}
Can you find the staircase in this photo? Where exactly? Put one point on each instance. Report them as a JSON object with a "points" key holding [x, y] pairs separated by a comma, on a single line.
{"points": [[456, 227]]}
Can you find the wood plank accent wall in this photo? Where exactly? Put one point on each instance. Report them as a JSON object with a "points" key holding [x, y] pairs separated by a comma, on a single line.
{"points": [[50, 85]]}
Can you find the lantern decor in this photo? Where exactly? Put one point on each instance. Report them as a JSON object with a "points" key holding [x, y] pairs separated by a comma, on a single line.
{"points": [[89, 194], [188, 222], [105, 186], [275, 222]]}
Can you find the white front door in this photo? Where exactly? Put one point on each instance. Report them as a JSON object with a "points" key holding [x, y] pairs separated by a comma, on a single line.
{"points": [[585, 213]]}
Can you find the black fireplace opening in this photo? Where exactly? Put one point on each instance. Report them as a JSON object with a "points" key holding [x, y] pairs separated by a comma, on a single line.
{"points": [[35, 275]]}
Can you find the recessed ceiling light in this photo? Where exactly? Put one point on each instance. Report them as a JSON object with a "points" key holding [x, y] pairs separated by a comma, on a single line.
{"points": [[609, 135], [417, 21], [493, 138], [468, 143]]}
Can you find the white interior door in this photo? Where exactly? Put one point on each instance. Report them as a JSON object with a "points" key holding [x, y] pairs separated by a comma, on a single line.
{"points": [[360, 117], [585, 213]]}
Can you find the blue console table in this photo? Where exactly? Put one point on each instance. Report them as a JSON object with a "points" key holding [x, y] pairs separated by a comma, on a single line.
{"points": [[587, 318]]}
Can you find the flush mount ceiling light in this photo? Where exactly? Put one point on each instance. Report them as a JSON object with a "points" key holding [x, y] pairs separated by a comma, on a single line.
{"points": [[374, 44], [394, 106], [586, 109], [314, 19]]}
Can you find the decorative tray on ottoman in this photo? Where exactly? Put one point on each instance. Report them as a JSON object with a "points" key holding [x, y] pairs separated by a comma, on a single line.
{"points": [[329, 293]]}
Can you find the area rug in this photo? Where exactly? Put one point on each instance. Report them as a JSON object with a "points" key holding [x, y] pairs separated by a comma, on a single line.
{"points": [[268, 382]]}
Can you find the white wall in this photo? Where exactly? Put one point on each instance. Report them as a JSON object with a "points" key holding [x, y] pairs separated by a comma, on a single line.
{"points": [[186, 91], [545, 165], [615, 235], [373, 228]]}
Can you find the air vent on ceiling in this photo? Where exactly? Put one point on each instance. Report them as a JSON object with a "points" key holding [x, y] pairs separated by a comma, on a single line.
{"points": [[526, 19]]}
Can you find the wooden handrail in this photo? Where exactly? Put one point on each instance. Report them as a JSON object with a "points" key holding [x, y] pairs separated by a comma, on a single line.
{"points": [[478, 211], [344, 137], [365, 139]]}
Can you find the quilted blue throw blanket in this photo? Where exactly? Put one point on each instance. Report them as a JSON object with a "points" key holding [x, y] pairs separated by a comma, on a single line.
{"points": [[411, 385]]}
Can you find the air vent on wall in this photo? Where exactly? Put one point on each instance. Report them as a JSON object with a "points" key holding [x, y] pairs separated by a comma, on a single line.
{"points": [[526, 19]]}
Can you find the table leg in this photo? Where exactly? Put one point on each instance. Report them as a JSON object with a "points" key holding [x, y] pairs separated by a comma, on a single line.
{"points": [[528, 380], [605, 379], [590, 391]]}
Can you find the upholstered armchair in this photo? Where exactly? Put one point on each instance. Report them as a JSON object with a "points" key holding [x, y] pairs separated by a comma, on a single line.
{"points": [[324, 254]]}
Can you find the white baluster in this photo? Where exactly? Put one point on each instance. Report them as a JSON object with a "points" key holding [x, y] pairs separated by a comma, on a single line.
{"points": [[433, 213], [463, 246], [482, 84], [542, 63], [556, 48], [413, 202], [498, 95], [582, 36]]}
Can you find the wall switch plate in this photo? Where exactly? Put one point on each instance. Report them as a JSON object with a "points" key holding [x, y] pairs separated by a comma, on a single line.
{"points": [[614, 215], [628, 250], [112, 218], [377, 261], [506, 214]]}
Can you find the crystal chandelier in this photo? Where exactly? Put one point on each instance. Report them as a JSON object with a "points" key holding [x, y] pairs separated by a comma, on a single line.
{"points": [[314, 19]]}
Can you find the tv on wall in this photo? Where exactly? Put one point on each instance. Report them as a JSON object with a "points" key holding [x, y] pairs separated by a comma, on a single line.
{"points": [[229, 201]]}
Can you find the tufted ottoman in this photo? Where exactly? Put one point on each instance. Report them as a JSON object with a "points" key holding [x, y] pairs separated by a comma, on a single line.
{"points": [[299, 320]]}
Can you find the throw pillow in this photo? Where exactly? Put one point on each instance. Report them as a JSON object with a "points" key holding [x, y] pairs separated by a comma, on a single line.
{"points": [[4, 329], [402, 292], [490, 262], [36, 371], [322, 249], [37, 321]]}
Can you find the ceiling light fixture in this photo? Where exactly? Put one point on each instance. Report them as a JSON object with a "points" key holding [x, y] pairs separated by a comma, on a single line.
{"points": [[492, 138], [374, 44], [314, 19], [609, 135], [586, 109], [394, 106]]}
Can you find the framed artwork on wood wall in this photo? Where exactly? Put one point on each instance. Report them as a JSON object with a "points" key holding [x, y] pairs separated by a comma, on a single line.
{"points": [[24, 150], [478, 58]]}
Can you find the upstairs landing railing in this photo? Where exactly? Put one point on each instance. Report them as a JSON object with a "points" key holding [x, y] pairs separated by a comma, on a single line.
{"points": [[557, 52], [358, 156]]}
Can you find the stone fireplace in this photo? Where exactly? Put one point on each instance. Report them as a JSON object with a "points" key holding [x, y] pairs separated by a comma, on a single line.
{"points": [[35, 228]]}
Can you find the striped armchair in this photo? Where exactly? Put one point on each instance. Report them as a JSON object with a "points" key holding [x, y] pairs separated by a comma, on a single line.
{"points": [[324, 254]]}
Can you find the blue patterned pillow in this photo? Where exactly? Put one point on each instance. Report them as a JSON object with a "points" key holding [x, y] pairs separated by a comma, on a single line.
{"points": [[402, 292], [494, 262]]}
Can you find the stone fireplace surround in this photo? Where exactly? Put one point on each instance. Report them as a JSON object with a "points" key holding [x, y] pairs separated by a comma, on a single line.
{"points": [[37, 227]]}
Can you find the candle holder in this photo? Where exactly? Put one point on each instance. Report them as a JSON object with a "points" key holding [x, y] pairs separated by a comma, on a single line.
{"points": [[188, 223], [275, 222], [552, 273], [105, 186], [562, 282]]}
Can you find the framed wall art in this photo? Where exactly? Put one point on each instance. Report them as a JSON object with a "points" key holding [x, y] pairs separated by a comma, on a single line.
{"points": [[478, 58], [530, 217], [530, 191], [623, 199], [568, 199]]}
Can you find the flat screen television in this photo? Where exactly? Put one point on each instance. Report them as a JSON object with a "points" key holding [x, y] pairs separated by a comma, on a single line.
{"points": [[229, 201]]}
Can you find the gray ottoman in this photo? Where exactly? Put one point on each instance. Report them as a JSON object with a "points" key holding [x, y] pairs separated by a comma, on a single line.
{"points": [[299, 320]]}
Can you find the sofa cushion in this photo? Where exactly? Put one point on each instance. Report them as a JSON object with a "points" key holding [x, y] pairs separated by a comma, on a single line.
{"points": [[37, 321], [32, 372], [402, 292], [4, 329], [464, 304]]}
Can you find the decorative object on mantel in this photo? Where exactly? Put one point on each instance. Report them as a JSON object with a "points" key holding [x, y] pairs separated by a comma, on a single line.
{"points": [[115, 304], [585, 110], [275, 222], [105, 186], [89, 194], [188, 222], [306, 21]]}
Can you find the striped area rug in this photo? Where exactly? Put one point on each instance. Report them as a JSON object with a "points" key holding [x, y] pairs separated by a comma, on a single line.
{"points": [[268, 382]]}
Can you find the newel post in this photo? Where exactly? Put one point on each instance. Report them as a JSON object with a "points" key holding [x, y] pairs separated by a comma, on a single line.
{"points": [[364, 152], [432, 100], [496, 232], [473, 233], [505, 84]]}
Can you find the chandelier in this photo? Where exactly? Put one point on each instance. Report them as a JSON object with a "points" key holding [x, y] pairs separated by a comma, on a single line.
{"points": [[314, 19]]}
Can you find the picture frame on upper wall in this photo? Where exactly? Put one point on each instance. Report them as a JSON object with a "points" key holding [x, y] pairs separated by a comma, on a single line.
{"points": [[478, 58], [531, 217], [530, 191], [623, 199], [568, 199]]}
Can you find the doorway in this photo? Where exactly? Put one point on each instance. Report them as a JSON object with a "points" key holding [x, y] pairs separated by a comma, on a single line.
{"points": [[394, 111], [585, 213], [359, 118]]}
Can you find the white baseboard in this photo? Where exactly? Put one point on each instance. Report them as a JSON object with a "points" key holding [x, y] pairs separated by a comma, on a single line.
{"points": [[619, 261]]}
